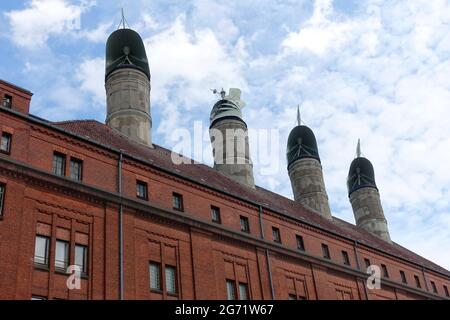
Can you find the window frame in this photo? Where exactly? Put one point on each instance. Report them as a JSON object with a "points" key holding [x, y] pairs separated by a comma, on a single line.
{"points": [[84, 269], [46, 258], [447, 293], [233, 287], [244, 223], [385, 270], [178, 196], [345, 258], [144, 185], [66, 256], [276, 234], [80, 169], [367, 262], [433, 286], [417, 280], [159, 268], [175, 280], [216, 210], [2, 198], [297, 238], [9, 137], [403, 277], [326, 251], [54, 163], [4, 104], [245, 286]]}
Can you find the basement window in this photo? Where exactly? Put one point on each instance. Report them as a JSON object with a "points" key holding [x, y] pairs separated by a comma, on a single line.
{"points": [[345, 258], [7, 101], [5, 144], [325, 251], [417, 280], [403, 276]]}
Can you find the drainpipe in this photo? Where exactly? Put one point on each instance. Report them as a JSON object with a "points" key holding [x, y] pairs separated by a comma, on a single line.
{"points": [[269, 269], [425, 279], [120, 227], [355, 245]]}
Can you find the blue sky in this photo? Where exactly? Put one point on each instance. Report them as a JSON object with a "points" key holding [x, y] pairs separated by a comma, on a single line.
{"points": [[375, 70]]}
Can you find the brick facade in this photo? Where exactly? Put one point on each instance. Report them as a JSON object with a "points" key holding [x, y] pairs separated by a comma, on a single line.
{"points": [[205, 254]]}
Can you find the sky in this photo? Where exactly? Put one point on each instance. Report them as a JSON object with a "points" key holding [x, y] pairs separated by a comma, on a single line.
{"points": [[369, 69]]}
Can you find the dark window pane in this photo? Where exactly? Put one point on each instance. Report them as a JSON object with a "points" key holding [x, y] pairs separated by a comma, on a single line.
{"points": [[7, 101], [325, 251], [76, 167], [367, 262], [81, 258], [59, 164], [433, 285], [345, 258], [276, 234], [244, 224], [300, 243], [155, 276], [171, 279], [215, 214], [5, 143], [41, 250], [446, 291], [177, 201], [416, 278], [2, 197], [62, 255], [141, 190], [403, 276], [243, 291], [385, 271], [292, 297], [231, 290]]}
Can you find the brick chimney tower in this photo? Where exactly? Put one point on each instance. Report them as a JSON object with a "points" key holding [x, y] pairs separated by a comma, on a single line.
{"points": [[365, 198], [229, 138], [127, 83]]}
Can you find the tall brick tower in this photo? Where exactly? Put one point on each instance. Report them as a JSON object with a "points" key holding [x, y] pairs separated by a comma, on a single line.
{"points": [[305, 170], [365, 198], [127, 83], [229, 138]]}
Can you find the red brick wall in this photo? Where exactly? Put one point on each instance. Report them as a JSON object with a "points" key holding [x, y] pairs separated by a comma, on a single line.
{"points": [[20, 98]]}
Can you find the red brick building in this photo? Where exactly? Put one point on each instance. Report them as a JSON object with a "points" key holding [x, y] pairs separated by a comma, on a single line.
{"points": [[140, 227]]}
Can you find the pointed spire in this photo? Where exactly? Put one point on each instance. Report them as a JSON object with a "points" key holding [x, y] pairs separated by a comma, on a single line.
{"points": [[123, 21], [299, 117], [358, 149]]}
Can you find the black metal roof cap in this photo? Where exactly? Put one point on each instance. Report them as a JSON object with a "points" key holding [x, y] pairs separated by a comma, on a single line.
{"points": [[360, 175], [125, 48], [301, 144]]}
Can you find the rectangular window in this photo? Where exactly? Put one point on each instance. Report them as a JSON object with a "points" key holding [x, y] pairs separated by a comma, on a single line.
{"points": [[177, 201], [433, 285], [7, 101], [300, 243], [155, 276], [243, 291], [231, 290], [215, 214], [171, 279], [446, 291], [62, 255], [5, 143], [345, 258], [417, 280], [81, 258], [385, 271], [41, 250], [325, 251], [141, 190], [245, 226], [367, 262], [276, 234], [2, 197], [76, 169], [403, 276], [59, 164]]}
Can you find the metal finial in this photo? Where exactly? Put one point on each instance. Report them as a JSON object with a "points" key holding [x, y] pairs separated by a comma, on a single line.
{"points": [[123, 21], [299, 117], [358, 149]]}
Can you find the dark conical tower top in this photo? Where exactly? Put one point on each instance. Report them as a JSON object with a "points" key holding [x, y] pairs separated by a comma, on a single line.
{"points": [[361, 173], [301, 144], [125, 49]]}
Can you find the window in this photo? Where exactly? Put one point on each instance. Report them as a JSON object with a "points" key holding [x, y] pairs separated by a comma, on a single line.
{"points": [[433, 285], [155, 276], [59, 164], [245, 227], [76, 169], [385, 271], [215, 214], [403, 276], [300, 243], [81, 258], [345, 258], [325, 251], [177, 201], [367, 262], [7, 101], [41, 250], [231, 290], [292, 297], [171, 279], [276, 234], [2, 197], [243, 291], [5, 144], [141, 190], [62, 255], [446, 291], [417, 280]]}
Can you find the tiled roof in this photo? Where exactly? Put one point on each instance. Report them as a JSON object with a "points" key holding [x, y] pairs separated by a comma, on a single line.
{"points": [[206, 175]]}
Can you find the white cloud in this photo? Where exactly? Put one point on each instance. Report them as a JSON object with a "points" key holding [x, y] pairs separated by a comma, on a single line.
{"points": [[91, 74]]}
